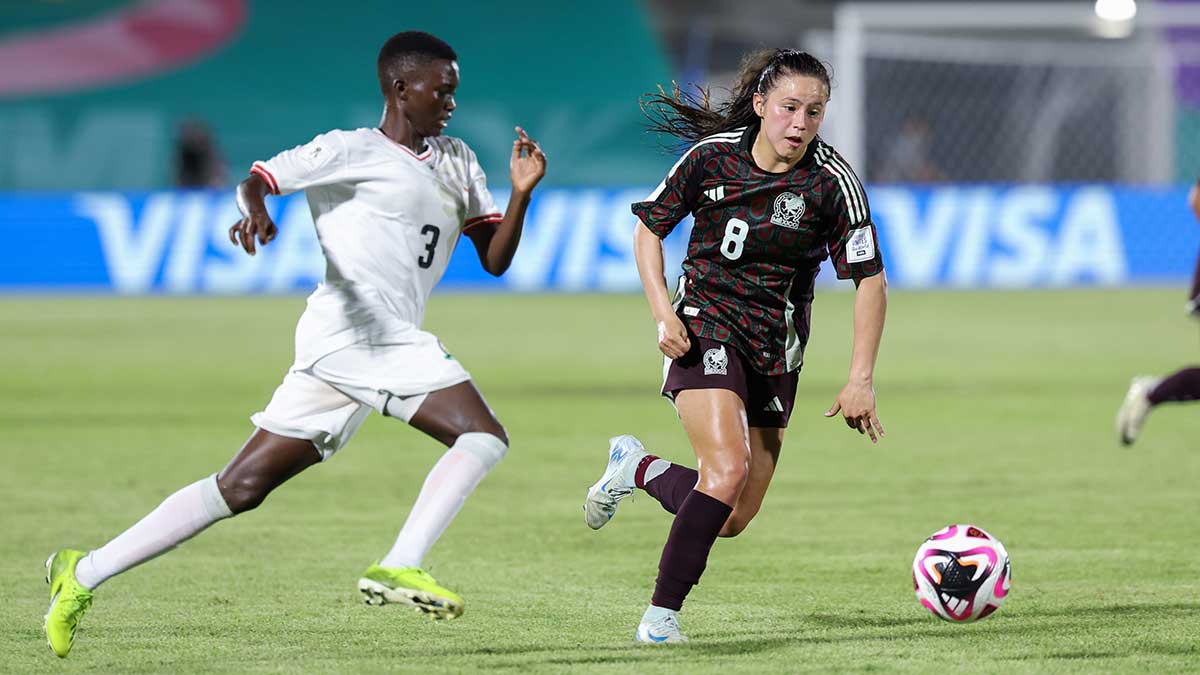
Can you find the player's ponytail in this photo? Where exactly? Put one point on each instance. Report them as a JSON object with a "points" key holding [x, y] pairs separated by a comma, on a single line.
{"points": [[690, 116]]}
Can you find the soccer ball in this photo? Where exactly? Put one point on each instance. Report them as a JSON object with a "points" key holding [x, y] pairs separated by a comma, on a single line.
{"points": [[961, 573]]}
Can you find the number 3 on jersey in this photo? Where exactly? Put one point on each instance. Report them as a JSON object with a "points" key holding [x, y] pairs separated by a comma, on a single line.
{"points": [[433, 234], [735, 237]]}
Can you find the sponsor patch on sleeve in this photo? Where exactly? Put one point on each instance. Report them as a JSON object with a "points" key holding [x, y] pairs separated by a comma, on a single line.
{"points": [[313, 155], [860, 245]]}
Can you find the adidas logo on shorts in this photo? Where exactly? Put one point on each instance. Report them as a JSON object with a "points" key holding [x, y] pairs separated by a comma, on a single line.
{"points": [[774, 406]]}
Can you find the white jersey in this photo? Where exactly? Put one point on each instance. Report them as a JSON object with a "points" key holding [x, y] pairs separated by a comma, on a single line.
{"points": [[388, 220]]}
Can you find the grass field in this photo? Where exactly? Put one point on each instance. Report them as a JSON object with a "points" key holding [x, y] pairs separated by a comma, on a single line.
{"points": [[998, 409]]}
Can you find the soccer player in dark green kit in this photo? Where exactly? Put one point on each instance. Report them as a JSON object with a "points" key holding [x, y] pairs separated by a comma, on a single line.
{"points": [[771, 201]]}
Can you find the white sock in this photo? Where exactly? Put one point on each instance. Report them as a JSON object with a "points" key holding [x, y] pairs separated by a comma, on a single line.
{"points": [[446, 488], [654, 613], [180, 517]]}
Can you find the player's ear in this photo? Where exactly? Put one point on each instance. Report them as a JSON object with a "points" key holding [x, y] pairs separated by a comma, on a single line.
{"points": [[759, 102], [400, 88]]}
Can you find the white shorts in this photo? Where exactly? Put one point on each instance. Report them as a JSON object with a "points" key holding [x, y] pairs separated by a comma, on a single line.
{"points": [[328, 401]]}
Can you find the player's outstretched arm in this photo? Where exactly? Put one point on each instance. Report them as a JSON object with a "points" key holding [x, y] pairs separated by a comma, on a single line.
{"points": [[255, 222], [497, 244], [857, 399], [648, 253]]}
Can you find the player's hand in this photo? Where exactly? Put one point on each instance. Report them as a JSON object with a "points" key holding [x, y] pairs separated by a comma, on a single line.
{"points": [[857, 405], [256, 225], [528, 163], [673, 339]]}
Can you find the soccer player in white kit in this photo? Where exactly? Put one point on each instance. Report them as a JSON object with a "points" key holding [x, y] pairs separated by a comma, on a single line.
{"points": [[389, 205]]}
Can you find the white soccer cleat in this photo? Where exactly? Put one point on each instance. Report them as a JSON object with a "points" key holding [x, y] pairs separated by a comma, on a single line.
{"points": [[1132, 414], [617, 483], [664, 630]]}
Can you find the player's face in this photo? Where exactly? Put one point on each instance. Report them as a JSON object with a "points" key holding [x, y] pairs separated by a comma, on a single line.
{"points": [[792, 113], [429, 97]]}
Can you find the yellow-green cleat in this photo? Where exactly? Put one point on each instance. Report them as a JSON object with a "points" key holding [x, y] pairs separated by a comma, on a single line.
{"points": [[409, 586], [68, 601]]}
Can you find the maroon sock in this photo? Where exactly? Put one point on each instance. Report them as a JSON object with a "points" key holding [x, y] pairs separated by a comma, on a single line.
{"points": [[1183, 385], [1195, 292], [670, 487], [684, 557]]}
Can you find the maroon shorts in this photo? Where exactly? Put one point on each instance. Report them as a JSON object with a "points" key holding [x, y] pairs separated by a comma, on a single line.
{"points": [[716, 365]]}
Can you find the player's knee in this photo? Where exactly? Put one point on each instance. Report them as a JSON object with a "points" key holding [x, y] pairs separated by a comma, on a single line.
{"points": [[723, 487], [491, 427], [730, 473], [243, 493], [487, 447], [496, 429]]}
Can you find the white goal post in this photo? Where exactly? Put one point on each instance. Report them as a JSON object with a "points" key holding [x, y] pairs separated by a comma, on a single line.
{"points": [[998, 34]]}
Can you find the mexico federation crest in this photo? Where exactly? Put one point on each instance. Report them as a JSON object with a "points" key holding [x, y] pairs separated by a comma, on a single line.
{"points": [[716, 361], [789, 209]]}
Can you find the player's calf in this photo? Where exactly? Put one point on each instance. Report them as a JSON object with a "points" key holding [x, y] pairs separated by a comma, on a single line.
{"points": [[736, 524]]}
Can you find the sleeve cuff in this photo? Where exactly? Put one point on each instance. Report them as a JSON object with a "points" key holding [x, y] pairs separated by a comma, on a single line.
{"points": [[644, 212], [480, 220], [259, 169]]}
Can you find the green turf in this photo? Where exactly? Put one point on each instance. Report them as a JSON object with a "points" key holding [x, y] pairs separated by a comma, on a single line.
{"points": [[998, 409]]}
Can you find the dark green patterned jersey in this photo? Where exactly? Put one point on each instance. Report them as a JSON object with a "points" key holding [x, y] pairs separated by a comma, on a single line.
{"points": [[758, 242]]}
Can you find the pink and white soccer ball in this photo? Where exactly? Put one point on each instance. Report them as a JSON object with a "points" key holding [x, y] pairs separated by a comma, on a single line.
{"points": [[961, 573]]}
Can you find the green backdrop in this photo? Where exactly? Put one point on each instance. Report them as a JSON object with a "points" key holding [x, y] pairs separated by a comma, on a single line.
{"points": [[570, 73]]}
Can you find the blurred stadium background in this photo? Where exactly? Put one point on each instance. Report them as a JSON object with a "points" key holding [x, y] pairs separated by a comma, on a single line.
{"points": [[1027, 165], [1015, 144]]}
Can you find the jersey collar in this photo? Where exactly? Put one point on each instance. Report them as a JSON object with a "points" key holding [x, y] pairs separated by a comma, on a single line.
{"points": [[419, 157]]}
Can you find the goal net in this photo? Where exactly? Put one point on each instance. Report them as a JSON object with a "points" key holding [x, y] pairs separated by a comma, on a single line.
{"points": [[1016, 92]]}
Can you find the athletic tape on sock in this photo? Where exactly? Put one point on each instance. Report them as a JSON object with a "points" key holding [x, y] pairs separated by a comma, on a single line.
{"points": [[214, 503], [655, 469], [488, 448]]}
